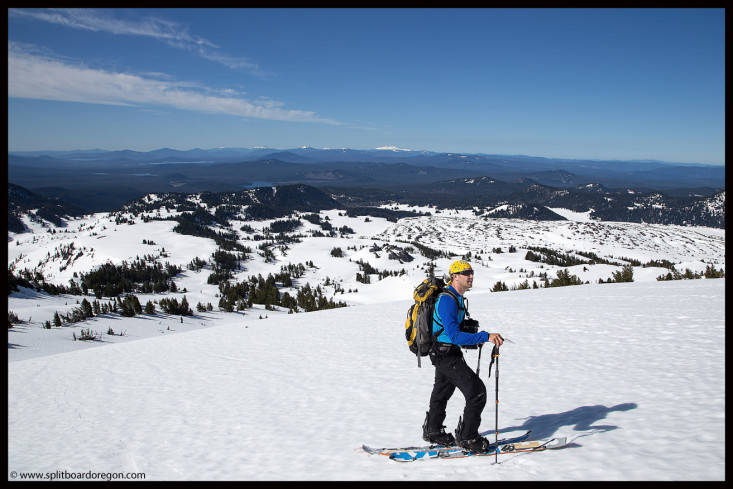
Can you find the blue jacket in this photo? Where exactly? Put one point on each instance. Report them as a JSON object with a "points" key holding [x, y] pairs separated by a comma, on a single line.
{"points": [[450, 314]]}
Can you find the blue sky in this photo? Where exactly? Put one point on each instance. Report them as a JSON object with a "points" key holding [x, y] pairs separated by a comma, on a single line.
{"points": [[568, 83]]}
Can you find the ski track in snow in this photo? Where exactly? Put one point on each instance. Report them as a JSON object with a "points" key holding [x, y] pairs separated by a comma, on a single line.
{"points": [[633, 372]]}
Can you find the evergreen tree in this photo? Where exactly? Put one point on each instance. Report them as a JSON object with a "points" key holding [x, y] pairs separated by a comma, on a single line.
{"points": [[86, 308], [136, 306], [625, 275], [499, 287], [564, 279], [127, 306], [711, 272], [185, 308]]}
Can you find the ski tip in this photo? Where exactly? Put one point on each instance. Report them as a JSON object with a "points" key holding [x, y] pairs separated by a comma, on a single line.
{"points": [[557, 442]]}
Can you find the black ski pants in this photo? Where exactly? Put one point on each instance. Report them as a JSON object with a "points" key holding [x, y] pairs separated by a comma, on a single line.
{"points": [[451, 371]]}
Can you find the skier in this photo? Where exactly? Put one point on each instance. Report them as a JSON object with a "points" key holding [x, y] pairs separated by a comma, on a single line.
{"points": [[451, 370]]}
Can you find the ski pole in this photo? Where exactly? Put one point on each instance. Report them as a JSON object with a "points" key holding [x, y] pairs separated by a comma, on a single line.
{"points": [[495, 354]]}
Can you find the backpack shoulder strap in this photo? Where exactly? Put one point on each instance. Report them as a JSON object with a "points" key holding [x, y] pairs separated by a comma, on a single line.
{"points": [[449, 292]]}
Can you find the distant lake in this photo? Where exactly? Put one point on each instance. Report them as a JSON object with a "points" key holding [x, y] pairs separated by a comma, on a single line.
{"points": [[180, 162], [259, 183]]}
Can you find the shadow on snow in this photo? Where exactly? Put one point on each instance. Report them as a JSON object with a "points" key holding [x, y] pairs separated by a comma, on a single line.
{"points": [[581, 419]]}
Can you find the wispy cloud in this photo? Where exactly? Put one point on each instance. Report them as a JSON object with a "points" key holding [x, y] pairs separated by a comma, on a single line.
{"points": [[36, 76], [163, 30]]}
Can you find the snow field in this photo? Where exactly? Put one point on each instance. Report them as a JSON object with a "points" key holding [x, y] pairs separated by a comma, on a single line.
{"points": [[631, 371], [634, 371]]}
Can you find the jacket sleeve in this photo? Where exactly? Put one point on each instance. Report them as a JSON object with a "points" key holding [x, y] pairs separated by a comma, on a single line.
{"points": [[447, 310]]}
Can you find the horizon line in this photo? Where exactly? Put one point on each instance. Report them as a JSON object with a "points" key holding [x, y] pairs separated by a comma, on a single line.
{"points": [[380, 148]]}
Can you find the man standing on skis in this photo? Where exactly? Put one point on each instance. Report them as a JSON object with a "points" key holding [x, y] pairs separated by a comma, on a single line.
{"points": [[451, 370]]}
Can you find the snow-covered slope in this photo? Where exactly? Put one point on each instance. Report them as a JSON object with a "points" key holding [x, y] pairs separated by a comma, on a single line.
{"points": [[634, 372], [61, 254]]}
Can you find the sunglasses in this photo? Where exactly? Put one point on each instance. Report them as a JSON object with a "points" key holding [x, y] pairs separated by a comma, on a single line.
{"points": [[465, 272]]}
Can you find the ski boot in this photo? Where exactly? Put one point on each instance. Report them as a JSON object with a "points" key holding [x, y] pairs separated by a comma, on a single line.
{"points": [[437, 437], [477, 444]]}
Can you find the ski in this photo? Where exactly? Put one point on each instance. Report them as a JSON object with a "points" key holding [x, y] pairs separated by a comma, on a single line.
{"points": [[426, 448], [503, 449]]}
